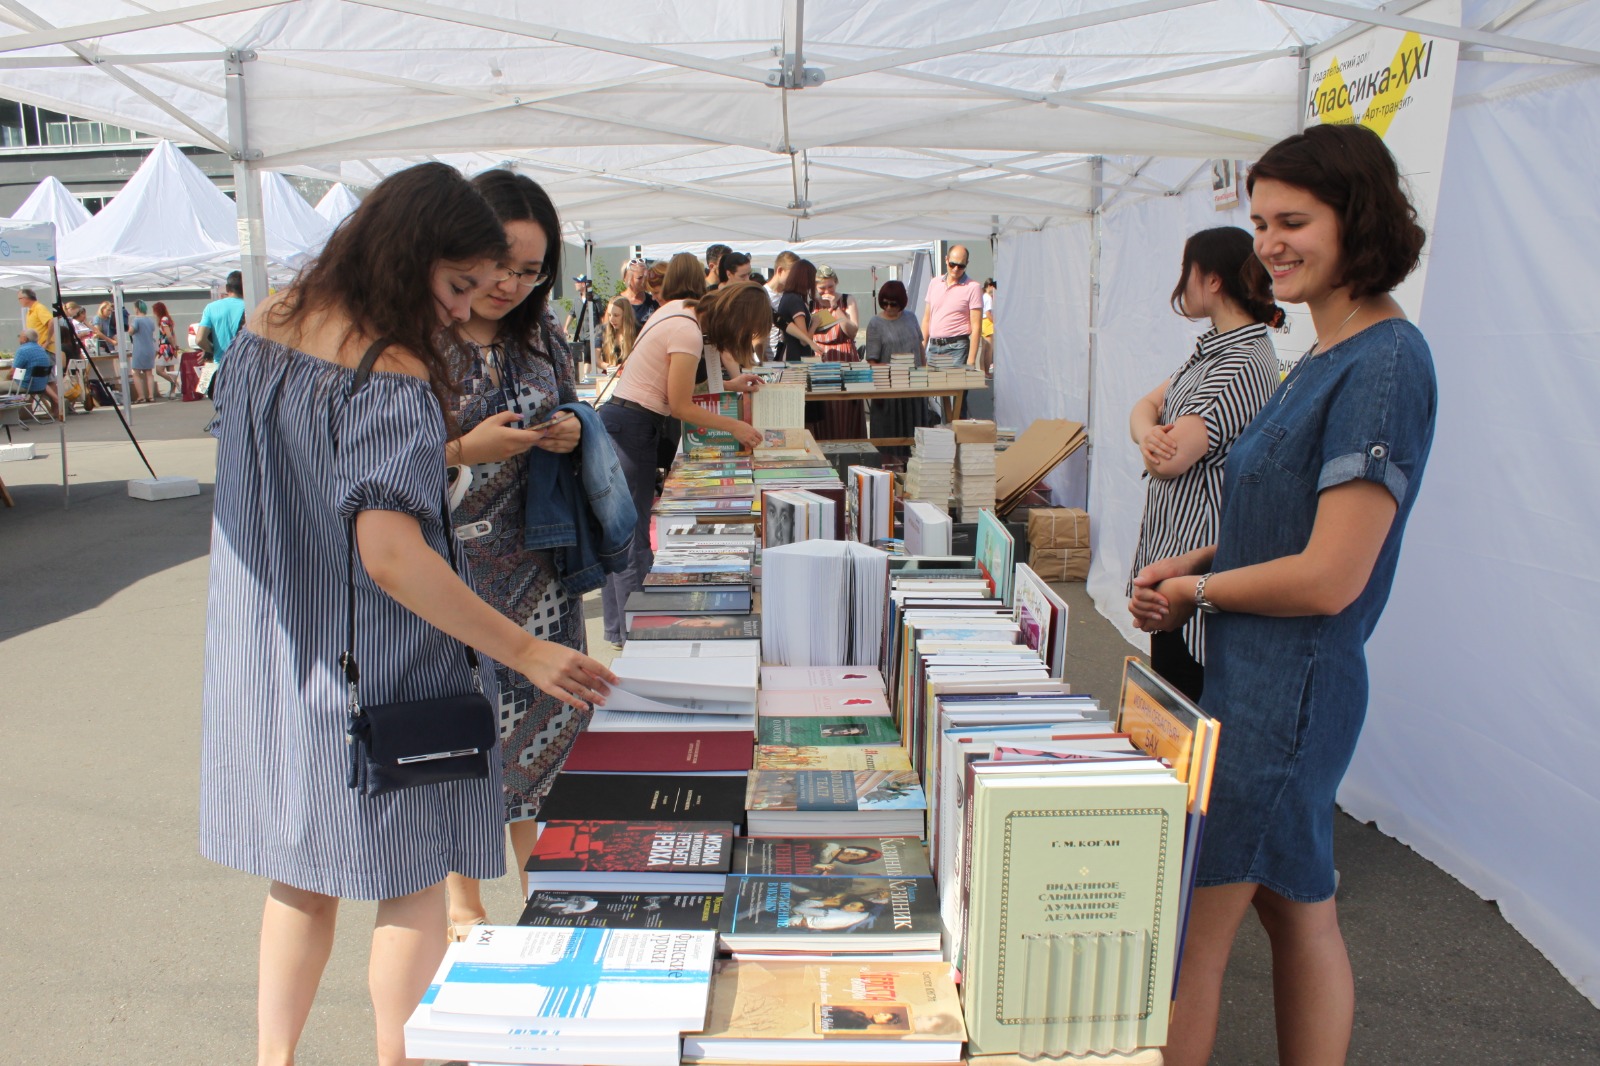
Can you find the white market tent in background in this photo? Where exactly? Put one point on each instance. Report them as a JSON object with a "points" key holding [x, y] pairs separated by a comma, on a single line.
{"points": [[336, 203], [50, 201], [295, 231], [170, 225], [1075, 135]]}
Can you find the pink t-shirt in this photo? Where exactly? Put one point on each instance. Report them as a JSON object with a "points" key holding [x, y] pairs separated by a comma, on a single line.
{"points": [[673, 328], [951, 306]]}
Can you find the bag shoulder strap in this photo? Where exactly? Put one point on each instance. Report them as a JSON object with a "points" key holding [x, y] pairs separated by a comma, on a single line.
{"points": [[347, 660]]}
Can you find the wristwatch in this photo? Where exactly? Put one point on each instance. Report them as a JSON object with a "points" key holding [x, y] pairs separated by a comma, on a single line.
{"points": [[1201, 604]]}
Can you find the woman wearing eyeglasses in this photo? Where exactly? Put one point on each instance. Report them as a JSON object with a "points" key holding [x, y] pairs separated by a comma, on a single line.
{"points": [[513, 367], [893, 332]]}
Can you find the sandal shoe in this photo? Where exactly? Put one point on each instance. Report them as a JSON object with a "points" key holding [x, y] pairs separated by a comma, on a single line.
{"points": [[457, 932]]}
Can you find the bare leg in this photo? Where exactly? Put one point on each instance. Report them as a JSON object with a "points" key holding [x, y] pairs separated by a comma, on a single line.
{"points": [[296, 939], [466, 902], [524, 835], [1214, 917], [1313, 991], [406, 952]]}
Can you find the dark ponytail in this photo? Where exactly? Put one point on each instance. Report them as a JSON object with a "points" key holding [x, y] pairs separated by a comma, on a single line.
{"points": [[1229, 252]]}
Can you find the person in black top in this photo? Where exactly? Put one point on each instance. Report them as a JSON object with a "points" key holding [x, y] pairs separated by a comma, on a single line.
{"points": [[584, 322], [793, 315]]}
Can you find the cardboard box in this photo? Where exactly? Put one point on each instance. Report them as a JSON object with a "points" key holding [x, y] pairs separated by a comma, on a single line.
{"points": [[1036, 452], [1061, 564], [974, 431], [1058, 527]]}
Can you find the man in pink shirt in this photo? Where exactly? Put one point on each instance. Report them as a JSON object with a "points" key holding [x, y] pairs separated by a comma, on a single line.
{"points": [[952, 314]]}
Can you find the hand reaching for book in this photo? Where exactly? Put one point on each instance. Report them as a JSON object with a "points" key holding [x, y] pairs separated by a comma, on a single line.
{"points": [[569, 676]]}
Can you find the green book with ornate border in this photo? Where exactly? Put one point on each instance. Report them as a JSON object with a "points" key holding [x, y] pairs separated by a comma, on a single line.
{"points": [[1066, 854]]}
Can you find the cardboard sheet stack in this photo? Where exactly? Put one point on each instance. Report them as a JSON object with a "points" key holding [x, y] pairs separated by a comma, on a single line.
{"points": [[975, 477], [930, 472], [1023, 465], [1059, 539]]}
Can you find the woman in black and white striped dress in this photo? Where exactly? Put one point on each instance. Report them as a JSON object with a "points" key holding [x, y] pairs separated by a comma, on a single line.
{"points": [[304, 449], [1186, 425]]}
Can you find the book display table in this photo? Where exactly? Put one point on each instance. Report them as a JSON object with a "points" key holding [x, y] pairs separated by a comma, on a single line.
{"points": [[954, 396]]}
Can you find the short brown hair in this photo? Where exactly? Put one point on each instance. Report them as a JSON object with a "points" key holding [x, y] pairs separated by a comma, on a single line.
{"points": [[802, 278], [785, 258], [735, 317], [1349, 168], [685, 278]]}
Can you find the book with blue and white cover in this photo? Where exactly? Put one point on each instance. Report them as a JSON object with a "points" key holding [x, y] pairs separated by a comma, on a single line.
{"points": [[578, 980]]}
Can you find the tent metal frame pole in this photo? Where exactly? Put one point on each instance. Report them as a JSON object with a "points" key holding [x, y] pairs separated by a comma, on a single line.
{"points": [[1303, 80], [1096, 233], [124, 351], [588, 304], [61, 378], [246, 182]]}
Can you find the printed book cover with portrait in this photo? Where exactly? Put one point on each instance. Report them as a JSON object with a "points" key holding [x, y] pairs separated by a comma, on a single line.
{"points": [[876, 856], [624, 910], [869, 1002], [828, 732], [834, 790], [831, 757], [890, 911]]}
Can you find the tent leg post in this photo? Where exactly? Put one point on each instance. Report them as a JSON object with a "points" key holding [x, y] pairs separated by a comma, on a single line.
{"points": [[1097, 168], [246, 182], [588, 305], [123, 351]]}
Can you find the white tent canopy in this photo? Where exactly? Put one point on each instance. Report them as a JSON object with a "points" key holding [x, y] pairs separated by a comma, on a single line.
{"points": [[169, 225], [1074, 132], [51, 202], [295, 231], [336, 203]]}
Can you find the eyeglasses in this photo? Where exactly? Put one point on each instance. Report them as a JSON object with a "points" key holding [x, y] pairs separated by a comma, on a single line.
{"points": [[955, 263], [889, 305], [527, 279]]}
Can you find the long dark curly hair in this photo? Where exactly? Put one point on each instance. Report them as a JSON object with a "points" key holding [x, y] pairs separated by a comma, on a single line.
{"points": [[378, 265]]}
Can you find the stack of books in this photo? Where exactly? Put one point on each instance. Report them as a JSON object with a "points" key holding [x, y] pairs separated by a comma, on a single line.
{"points": [[551, 994], [792, 515], [825, 377], [975, 478], [928, 530], [857, 377], [687, 564], [870, 494], [930, 472]]}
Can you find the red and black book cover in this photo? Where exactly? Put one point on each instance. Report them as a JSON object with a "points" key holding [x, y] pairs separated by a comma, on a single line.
{"points": [[646, 797], [665, 753], [633, 847]]}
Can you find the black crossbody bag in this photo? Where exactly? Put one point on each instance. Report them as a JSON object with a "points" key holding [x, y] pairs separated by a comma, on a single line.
{"points": [[418, 742]]}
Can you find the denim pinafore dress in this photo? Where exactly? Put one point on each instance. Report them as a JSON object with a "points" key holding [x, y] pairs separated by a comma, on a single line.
{"points": [[1291, 693]]}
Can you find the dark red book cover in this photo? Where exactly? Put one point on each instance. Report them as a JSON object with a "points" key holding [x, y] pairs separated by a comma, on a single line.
{"points": [[634, 847], [662, 752]]}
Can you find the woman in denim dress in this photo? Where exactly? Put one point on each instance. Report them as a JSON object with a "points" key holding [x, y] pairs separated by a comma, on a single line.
{"points": [[1316, 495]]}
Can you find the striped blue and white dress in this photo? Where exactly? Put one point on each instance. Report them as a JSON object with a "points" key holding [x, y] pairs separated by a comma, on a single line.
{"points": [[296, 456], [1225, 382]]}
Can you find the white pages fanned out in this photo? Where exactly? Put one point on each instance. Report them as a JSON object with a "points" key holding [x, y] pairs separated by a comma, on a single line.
{"points": [[823, 603]]}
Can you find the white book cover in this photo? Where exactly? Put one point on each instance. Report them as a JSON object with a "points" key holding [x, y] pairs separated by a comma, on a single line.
{"points": [[690, 649], [726, 679], [578, 980], [607, 720], [805, 678], [843, 703]]}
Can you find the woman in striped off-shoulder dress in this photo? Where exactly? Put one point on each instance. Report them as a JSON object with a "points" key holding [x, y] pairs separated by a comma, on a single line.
{"points": [[304, 450], [1185, 426]]}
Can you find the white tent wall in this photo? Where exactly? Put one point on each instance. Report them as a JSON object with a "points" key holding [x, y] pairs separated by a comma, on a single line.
{"points": [[1481, 736], [1041, 311], [1139, 343]]}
